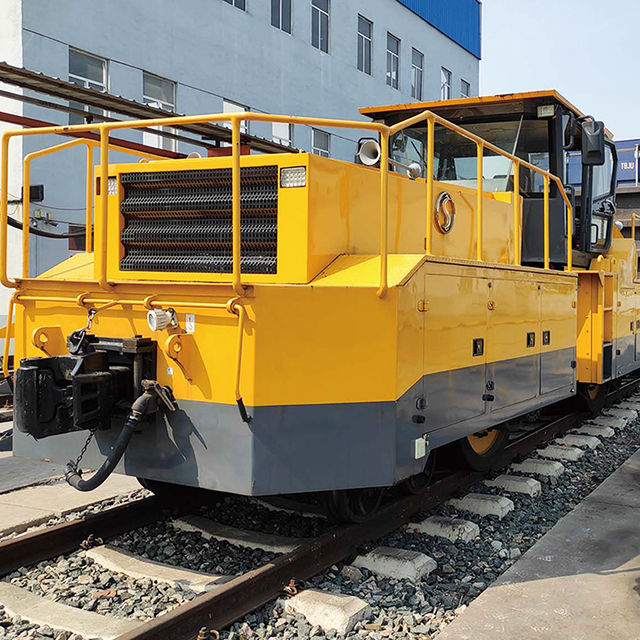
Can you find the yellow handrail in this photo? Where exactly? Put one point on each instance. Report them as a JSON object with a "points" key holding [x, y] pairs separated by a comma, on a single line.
{"points": [[483, 145], [235, 206], [479, 199], [7, 335], [516, 214], [236, 120], [546, 222], [26, 184]]}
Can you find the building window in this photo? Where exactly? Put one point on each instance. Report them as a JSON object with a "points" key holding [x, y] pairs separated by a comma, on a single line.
{"points": [[365, 44], [445, 84], [89, 72], [320, 24], [281, 15], [240, 4], [417, 72], [233, 107], [160, 93], [321, 143], [282, 133], [393, 61], [465, 89]]}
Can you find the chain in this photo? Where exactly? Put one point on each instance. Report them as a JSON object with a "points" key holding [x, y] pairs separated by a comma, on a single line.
{"points": [[77, 338], [84, 448], [91, 314]]}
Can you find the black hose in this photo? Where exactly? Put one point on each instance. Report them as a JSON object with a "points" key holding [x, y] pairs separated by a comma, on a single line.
{"points": [[45, 234], [73, 477], [142, 406]]}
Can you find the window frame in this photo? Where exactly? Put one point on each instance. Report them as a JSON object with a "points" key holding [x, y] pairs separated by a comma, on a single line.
{"points": [[287, 142], [168, 144], [87, 83], [417, 73], [238, 4], [393, 57], [244, 127], [446, 78], [321, 13], [317, 150], [281, 13], [363, 39], [463, 84]]}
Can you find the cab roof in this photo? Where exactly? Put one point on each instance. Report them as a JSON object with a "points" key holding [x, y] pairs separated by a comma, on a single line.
{"points": [[461, 109]]}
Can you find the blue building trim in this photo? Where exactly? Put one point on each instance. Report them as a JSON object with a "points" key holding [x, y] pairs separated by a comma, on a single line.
{"points": [[460, 20]]}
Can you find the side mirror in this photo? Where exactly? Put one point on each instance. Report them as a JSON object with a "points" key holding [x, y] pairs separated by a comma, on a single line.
{"points": [[592, 143]]}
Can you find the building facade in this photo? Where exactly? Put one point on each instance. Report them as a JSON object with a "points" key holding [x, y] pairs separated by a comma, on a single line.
{"points": [[320, 58]]}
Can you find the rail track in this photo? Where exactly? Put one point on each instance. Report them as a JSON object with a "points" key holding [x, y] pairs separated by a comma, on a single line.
{"points": [[226, 603]]}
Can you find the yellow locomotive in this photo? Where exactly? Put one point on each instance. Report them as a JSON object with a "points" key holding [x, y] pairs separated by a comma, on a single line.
{"points": [[286, 323]]}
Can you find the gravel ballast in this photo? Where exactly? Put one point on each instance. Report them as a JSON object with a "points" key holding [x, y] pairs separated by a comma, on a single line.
{"points": [[163, 543], [401, 609], [79, 582], [244, 514], [15, 627]]}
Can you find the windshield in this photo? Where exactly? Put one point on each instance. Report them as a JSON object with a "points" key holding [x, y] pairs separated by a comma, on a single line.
{"points": [[455, 157]]}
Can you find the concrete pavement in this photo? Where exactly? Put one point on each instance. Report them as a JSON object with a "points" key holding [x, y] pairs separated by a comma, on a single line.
{"points": [[581, 581], [23, 505]]}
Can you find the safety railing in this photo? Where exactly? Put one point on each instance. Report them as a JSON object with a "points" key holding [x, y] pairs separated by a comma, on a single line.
{"points": [[482, 145], [236, 120], [26, 184]]}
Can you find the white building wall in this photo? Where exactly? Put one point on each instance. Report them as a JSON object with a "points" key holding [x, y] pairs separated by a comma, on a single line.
{"points": [[11, 52]]}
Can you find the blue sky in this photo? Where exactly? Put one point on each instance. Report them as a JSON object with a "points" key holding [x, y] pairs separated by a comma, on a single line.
{"points": [[586, 49]]}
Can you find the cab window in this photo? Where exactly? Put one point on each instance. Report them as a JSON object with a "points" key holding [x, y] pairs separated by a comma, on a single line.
{"points": [[603, 176]]}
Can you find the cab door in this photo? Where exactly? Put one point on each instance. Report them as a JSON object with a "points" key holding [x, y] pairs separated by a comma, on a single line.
{"points": [[598, 201]]}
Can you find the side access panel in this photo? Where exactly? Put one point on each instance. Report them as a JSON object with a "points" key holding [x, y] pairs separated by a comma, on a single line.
{"points": [[513, 342], [595, 357], [559, 334], [455, 348], [411, 425], [626, 329], [637, 332]]}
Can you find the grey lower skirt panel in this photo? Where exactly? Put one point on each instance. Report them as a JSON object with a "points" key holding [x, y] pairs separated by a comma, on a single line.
{"points": [[293, 449]]}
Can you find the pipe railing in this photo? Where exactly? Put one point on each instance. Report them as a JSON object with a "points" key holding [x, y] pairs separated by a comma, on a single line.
{"points": [[482, 146], [26, 184], [236, 120]]}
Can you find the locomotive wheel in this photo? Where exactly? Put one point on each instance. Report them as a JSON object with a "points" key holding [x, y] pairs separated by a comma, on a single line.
{"points": [[482, 450], [417, 484], [353, 505]]}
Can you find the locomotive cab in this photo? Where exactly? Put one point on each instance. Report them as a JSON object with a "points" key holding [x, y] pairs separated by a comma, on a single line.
{"points": [[542, 128]]}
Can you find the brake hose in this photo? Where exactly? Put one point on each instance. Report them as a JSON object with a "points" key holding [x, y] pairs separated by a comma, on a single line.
{"points": [[145, 404]]}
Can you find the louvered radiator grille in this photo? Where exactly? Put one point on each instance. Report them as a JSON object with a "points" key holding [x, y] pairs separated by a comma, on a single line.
{"points": [[181, 221]]}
